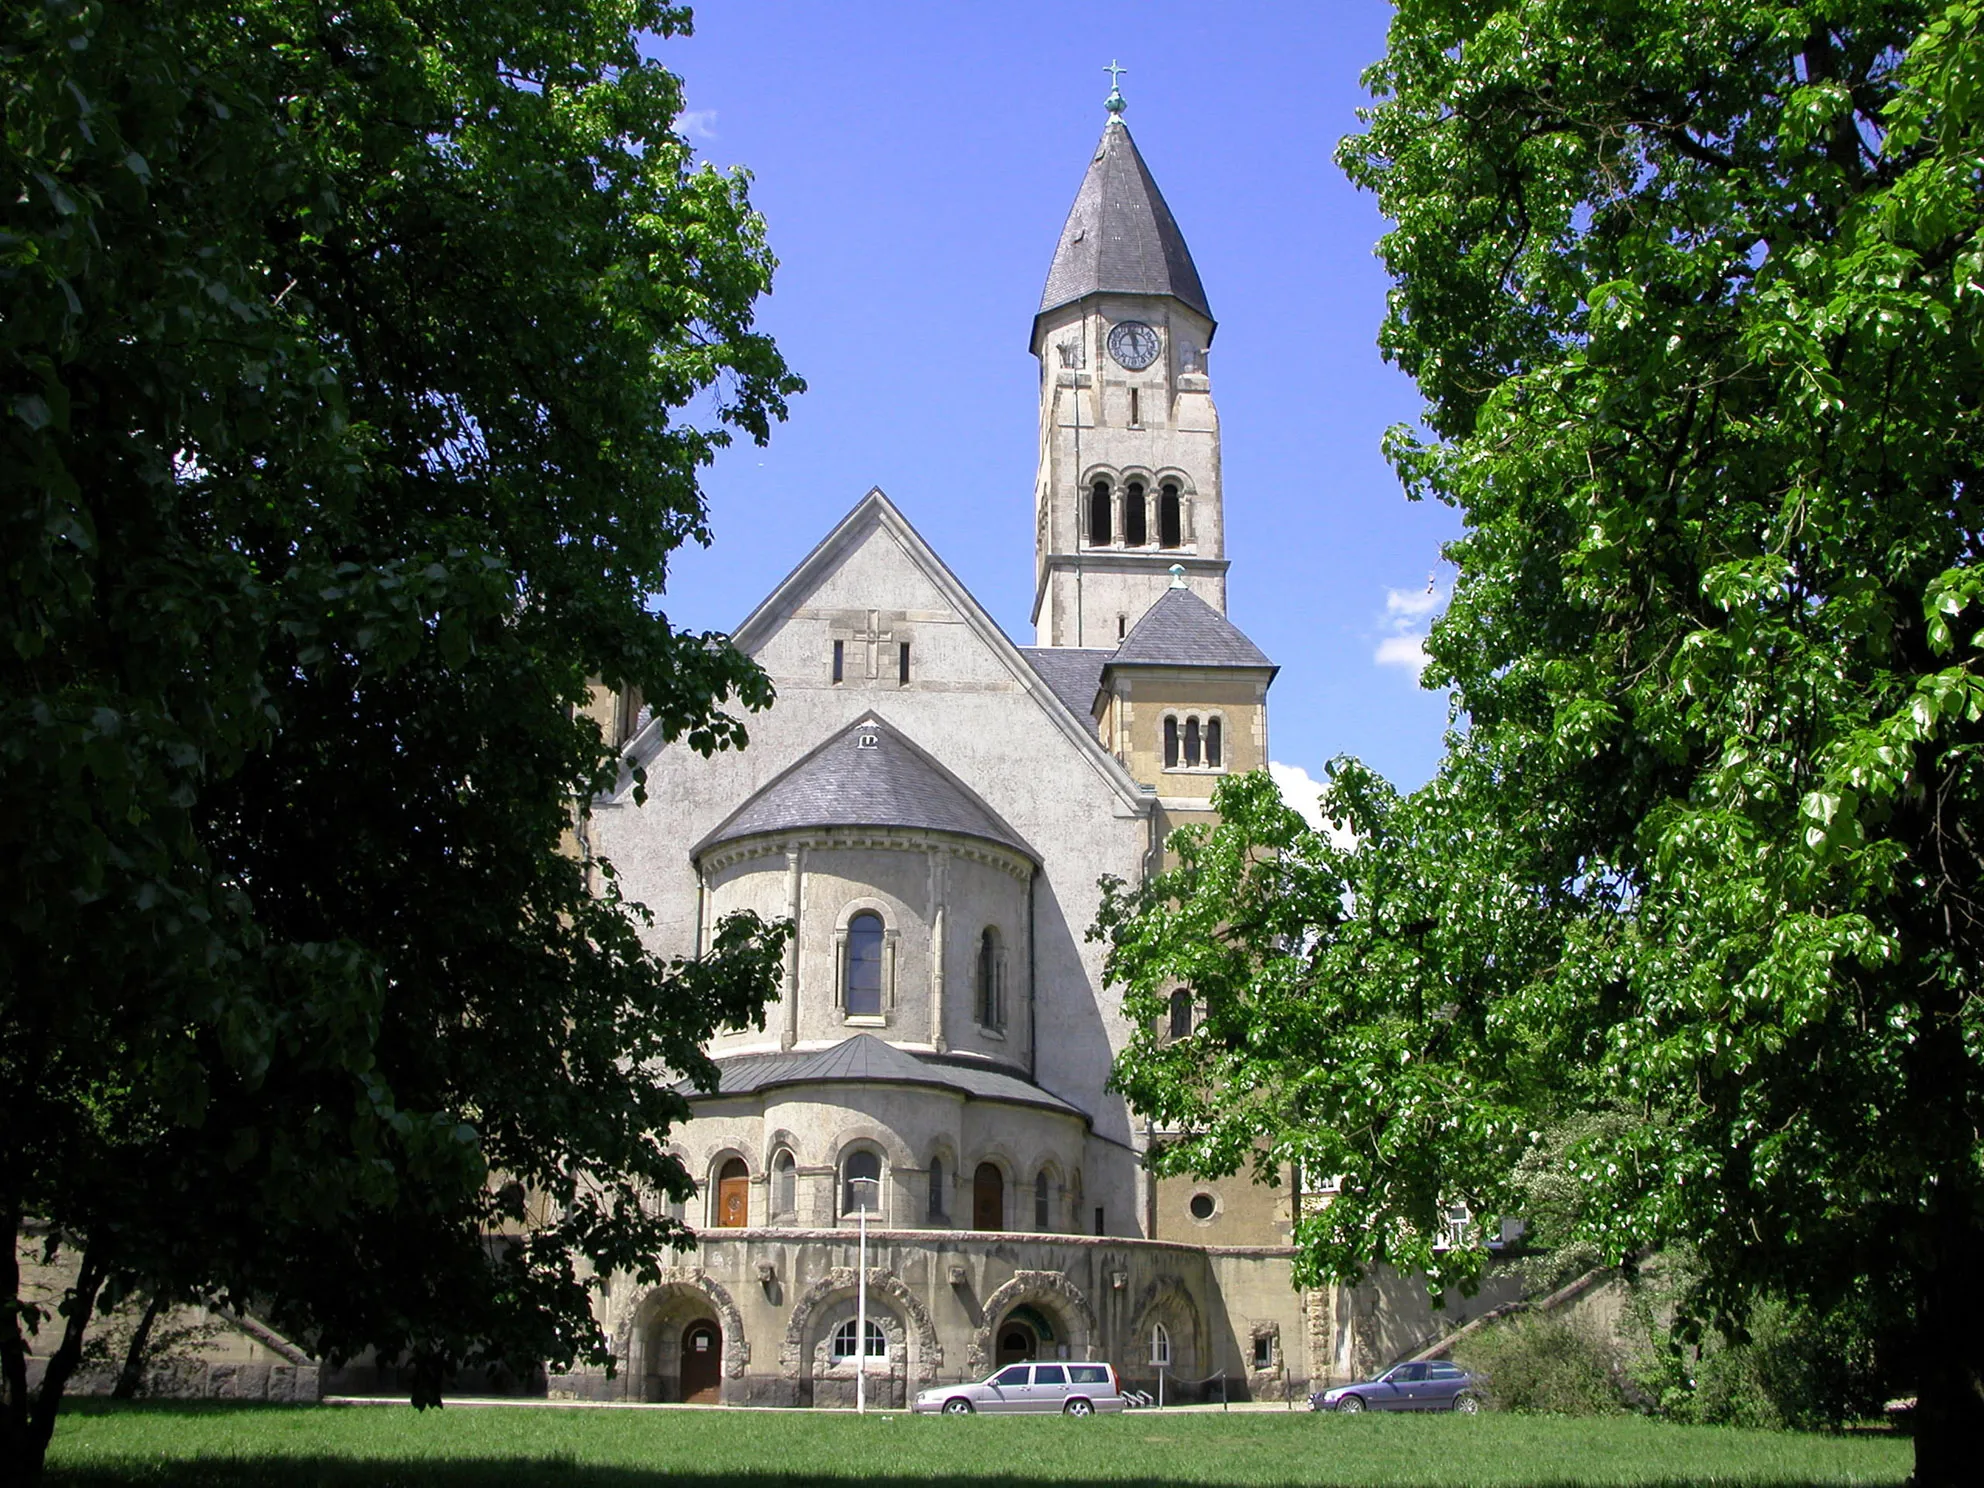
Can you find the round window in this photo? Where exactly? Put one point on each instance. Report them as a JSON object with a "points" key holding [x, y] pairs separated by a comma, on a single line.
{"points": [[1203, 1206]]}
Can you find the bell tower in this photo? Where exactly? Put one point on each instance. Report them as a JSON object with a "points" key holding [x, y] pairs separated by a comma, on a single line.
{"points": [[1128, 487]]}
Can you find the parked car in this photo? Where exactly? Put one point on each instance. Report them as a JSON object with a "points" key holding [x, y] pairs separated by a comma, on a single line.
{"points": [[1077, 1389], [1437, 1385]]}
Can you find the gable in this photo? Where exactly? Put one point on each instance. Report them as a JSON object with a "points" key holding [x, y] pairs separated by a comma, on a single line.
{"points": [[873, 584]]}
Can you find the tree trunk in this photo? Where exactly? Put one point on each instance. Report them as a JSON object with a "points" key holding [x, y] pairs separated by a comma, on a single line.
{"points": [[29, 1419], [1949, 1401], [13, 1350], [132, 1376]]}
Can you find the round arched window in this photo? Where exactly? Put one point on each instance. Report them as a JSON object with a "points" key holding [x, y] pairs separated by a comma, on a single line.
{"points": [[843, 1344], [861, 1183], [864, 965], [785, 1183]]}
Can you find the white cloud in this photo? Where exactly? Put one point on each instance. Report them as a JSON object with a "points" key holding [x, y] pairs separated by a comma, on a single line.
{"points": [[1304, 796], [1407, 651], [1413, 602], [696, 124], [1408, 615]]}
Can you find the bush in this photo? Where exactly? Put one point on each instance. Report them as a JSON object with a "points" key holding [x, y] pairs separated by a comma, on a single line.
{"points": [[1547, 1365], [1792, 1368]]}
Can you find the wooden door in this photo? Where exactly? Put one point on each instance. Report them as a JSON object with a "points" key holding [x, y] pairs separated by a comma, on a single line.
{"points": [[733, 1196], [988, 1198], [702, 1363]]}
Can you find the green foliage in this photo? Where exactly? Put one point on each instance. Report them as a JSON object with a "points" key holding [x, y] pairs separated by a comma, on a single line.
{"points": [[1545, 1364], [1346, 995], [1792, 1366], [339, 368], [1691, 290], [1556, 1204]]}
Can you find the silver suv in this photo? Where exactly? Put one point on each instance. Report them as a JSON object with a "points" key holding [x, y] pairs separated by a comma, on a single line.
{"points": [[1072, 1389]]}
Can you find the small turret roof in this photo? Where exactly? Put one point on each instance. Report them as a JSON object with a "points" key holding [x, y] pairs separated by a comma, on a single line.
{"points": [[1183, 630], [867, 775], [1120, 236]]}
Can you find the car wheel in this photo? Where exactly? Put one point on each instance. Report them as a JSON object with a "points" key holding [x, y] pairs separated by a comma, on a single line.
{"points": [[958, 1407], [1467, 1405], [1350, 1405], [1078, 1408]]}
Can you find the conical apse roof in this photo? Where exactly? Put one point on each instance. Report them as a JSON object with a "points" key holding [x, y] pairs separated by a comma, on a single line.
{"points": [[1120, 236], [867, 775]]}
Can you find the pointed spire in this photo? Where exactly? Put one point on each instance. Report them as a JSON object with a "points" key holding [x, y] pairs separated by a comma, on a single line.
{"points": [[1120, 236]]}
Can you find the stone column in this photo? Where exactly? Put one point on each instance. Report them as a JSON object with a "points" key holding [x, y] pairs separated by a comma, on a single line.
{"points": [[795, 858], [937, 1039]]}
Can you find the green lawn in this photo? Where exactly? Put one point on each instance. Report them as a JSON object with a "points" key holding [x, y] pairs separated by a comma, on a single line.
{"points": [[380, 1446]]}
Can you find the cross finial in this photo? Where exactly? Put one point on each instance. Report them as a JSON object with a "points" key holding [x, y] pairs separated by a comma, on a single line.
{"points": [[1115, 102]]}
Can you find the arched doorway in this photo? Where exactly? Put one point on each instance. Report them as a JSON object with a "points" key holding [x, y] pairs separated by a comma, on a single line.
{"points": [[702, 1363], [1016, 1341], [988, 1198], [1026, 1333], [733, 1195]]}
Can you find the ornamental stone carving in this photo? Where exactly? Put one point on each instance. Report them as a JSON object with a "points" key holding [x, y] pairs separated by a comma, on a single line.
{"points": [[692, 1280], [839, 1282], [1051, 1287]]}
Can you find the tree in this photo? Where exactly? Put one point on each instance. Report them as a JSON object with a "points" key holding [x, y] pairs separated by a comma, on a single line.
{"points": [[1691, 291], [343, 350]]}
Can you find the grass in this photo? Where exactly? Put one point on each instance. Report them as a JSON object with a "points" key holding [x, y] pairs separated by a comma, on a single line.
{"points": [[103, 1446]]}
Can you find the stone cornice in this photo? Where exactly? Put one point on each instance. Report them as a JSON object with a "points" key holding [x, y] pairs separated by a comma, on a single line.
{"points": [[876, 1235], [886, 839]]}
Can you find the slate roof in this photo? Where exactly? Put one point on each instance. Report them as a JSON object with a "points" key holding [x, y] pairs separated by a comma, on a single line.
{"points": [[1183, 630], [890, 783], [1072, 673], [1120, 235], [866, 1058]]}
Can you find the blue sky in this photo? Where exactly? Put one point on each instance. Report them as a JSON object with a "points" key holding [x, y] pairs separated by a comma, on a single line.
{"points": [[915, 162]]}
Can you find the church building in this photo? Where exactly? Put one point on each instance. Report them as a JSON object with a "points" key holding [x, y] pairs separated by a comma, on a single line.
{"points": [[932, 804]]}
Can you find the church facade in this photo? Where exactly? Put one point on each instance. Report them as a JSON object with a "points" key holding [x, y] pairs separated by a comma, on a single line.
{"points": [[932, 805]]}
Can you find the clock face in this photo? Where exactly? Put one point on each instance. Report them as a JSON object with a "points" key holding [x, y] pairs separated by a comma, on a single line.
{"points": [[1133, 344]]}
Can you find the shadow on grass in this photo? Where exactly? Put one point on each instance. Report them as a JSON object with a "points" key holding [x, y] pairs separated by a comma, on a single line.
{"points": [[558, 1472]]}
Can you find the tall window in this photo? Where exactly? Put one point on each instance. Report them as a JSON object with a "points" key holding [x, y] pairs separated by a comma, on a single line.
{"points": [[1170, 743], [988, 1198], [1191, 741], [902, 665], [1134, 532], [1170, 527], [938, 1202], [1043, 1201], [991, 975], [843, 1345], [785, 1184], [1098, 515], [1181, 1013], [864, 965], [860, 1183], [1160, 1346], [1212, 742], [840, 660]]}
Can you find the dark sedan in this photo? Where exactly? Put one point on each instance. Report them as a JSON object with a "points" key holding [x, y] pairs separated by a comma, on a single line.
{"points": [[1427, 1386]]}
